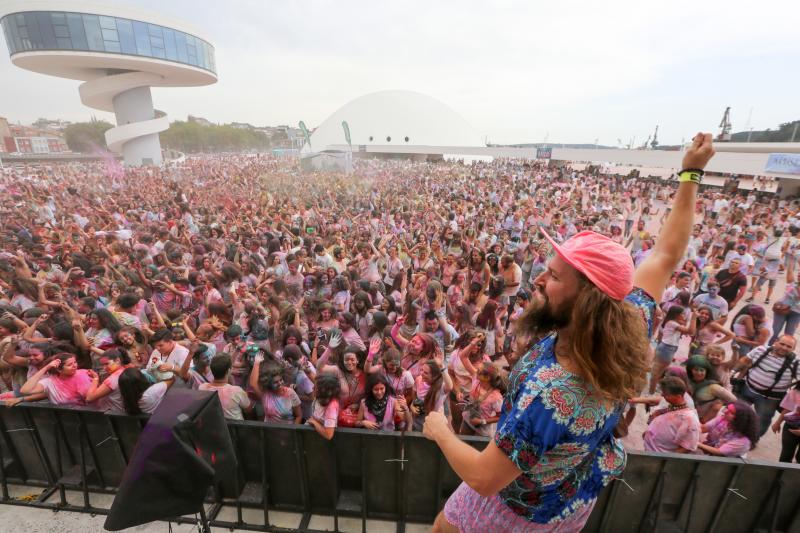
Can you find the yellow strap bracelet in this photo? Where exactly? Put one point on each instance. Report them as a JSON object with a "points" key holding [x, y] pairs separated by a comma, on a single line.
{"points": [[690, 176]]}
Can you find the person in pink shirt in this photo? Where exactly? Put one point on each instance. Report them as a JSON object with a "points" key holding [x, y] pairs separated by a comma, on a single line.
{"points": [[349, 334], [421, 348], [470, 346], [60, 381], [401, 380], [675, 428], [432, 387], [485, 402], [234, 400], [326, 406], [281, 403]]}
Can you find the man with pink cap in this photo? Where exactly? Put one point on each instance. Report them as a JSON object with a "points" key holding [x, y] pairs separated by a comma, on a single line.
{"points": [[590, 318]]}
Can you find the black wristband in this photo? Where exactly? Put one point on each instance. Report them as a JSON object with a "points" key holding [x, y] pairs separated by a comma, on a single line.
{"points": [[694, 170]]}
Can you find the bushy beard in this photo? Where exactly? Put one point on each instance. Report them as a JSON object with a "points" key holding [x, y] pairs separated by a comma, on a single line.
{"points": [[540, 317]]}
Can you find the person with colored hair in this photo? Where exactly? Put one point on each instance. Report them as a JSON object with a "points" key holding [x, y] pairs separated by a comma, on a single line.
{"points": [[732, 433]]}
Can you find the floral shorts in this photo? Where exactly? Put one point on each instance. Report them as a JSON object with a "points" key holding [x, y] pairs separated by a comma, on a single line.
{"points": [[470, 512]]}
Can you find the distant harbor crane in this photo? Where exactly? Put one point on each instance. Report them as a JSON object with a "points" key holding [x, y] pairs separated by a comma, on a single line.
{"points": [[725, 126]]}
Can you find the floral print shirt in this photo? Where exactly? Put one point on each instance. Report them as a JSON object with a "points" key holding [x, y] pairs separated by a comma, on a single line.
{"points": [[559, 432]]}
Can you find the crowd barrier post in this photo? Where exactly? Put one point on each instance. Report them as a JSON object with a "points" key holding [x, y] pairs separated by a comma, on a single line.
{"points": [[7, 462], [299, 454], [3, 465], [688, 500]]}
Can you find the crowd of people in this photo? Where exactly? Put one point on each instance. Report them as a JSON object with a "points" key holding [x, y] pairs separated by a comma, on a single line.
{"points": [[373, 299]]}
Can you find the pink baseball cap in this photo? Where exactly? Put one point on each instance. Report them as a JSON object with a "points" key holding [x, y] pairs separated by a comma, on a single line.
{"points": [[608, 265]]}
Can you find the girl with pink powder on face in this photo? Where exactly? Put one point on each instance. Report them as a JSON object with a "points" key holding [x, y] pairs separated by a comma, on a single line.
{"points": [[60, 381]]}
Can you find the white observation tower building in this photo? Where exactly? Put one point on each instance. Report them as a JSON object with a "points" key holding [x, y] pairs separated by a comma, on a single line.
{"points": [[119, 53]]}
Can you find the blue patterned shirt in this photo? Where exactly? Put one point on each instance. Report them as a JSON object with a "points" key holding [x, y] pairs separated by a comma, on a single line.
{"points": [[559, 433]]}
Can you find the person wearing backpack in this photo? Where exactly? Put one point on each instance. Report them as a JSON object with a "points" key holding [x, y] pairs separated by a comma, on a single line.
{"points": [[764, 376]]}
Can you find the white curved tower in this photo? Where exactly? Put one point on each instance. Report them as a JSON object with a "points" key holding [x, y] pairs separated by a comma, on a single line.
{"points": [[119, 53]]}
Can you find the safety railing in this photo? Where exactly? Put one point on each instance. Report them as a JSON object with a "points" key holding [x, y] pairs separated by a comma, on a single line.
{"points": [[374, 475]]}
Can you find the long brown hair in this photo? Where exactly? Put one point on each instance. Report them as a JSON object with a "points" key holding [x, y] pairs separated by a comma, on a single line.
{"points": [[429, 345], [435, 388], [486, 319], [496, 381], [609, 342]]}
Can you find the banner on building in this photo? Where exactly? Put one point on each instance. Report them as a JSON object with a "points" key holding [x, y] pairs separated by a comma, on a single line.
{"points": [[544, 153], [783, 163]]}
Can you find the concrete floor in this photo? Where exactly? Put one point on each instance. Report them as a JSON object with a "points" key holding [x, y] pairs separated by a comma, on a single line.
{"points": [[18, 519], [29, 520]]}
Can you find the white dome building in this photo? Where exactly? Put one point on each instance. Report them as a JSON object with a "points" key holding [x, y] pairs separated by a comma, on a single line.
{"points": [[384, 122]]}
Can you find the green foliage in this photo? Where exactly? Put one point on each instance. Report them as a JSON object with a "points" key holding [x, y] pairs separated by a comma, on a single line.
{"points": [[86, 137], [782, 134], [192, 137], [188, 137]]}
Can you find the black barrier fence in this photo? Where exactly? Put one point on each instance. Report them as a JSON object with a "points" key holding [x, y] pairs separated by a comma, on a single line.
{"points": [[377, 475]]}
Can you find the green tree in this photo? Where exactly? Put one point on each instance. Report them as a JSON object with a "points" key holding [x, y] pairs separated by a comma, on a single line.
{"points": [[784, 133], [193, 137], [86, 137]]}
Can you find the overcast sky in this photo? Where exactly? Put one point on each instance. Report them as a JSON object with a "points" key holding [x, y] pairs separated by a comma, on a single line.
{"points": [[517, 71]]}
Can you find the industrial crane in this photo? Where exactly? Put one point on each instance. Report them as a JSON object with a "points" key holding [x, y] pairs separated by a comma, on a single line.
{"points": [[725, 126]]}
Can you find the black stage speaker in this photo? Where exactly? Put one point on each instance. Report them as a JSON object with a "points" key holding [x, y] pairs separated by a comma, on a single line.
{"points": [[184, 449]]}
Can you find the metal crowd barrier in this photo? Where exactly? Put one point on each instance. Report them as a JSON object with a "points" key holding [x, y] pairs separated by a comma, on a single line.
{"points": [[377, 475]]}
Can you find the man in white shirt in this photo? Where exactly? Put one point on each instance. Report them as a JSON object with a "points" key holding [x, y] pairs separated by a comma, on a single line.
{"points": [[681, 284], [321, 257], [167, 359], [745, 258], [719, 204], [712, 300], [695, 241]]}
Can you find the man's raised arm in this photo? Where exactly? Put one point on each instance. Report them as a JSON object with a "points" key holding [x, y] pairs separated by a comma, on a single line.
{"points": [[654, 273]]}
